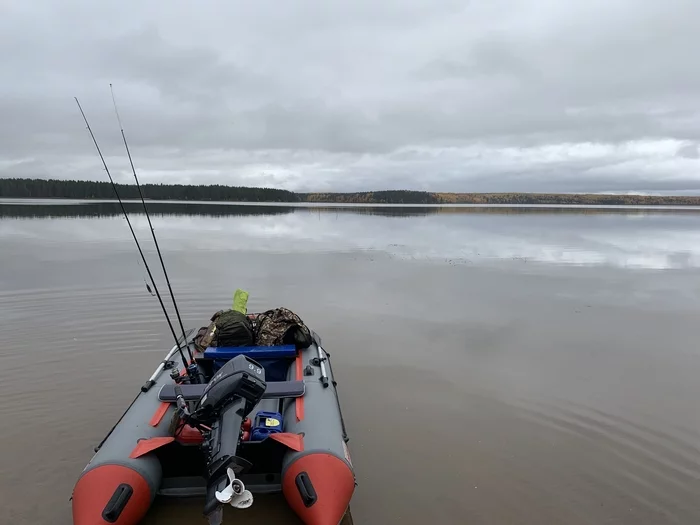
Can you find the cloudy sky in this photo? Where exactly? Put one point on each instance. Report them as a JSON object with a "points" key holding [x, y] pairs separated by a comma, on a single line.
{"points": [[311, 95]]}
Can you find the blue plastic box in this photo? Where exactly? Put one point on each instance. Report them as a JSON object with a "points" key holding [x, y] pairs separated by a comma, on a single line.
{"points": [[264, 424]]}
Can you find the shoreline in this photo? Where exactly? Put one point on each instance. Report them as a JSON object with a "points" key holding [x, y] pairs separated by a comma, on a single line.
{"points": [[50, 190], [324, 204]]}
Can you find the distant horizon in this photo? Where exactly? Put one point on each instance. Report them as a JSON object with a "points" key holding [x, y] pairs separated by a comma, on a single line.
{"points": [[642, 193], [86, 189]]}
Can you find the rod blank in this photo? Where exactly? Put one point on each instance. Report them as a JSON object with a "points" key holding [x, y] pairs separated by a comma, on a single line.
{"points": [[148, 217], [133, 234]]}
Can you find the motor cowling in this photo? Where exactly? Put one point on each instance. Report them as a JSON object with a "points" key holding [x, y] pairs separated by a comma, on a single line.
{"points": [[240, 377], [229, 397]]}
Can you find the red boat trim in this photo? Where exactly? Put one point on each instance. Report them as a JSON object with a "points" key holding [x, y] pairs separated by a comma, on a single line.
{"points": [[318, 487], [110, 491], [299, 401], [144, 446], [293, 441], [159, 414]]}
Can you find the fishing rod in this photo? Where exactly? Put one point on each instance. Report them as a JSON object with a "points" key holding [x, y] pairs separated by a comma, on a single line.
{"points": [[148, 218], [150, 275]]}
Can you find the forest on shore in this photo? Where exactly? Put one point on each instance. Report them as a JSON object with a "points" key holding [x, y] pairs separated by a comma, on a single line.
{"points": [[72, 189], [84, 189]]}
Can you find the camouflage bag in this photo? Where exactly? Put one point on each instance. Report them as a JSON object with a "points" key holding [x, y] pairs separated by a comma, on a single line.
{"points": [[206, 336], [234, 329], [281, 326], [227, 328]]}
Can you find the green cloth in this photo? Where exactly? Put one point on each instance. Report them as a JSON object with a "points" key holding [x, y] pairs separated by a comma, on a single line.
{"points": [[240, 301]]}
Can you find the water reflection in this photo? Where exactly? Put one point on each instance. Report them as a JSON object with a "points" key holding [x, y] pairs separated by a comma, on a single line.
{"points": [[110, 209], [637, 238], [558, 396], [26, 208]]}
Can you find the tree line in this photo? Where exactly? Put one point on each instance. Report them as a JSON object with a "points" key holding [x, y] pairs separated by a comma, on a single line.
{"points": [[567, 198], [79, 189], [83, 189], [374, 197]]}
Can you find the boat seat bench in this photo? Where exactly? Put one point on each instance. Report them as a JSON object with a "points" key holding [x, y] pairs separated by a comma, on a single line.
{"points": [[274, 390], [254, 352], [274, 359]]}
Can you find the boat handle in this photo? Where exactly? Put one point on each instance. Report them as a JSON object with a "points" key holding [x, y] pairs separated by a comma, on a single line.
{"points": [[117, 503], [306, 489]]}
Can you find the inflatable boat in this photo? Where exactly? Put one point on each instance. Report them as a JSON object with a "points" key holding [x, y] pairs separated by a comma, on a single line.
{"points": [[234, 422]]}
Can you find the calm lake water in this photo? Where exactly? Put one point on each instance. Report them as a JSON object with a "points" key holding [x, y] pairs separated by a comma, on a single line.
{"points": [[495, 365]]}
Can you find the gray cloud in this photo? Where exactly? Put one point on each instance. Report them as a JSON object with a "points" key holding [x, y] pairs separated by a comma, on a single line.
{"points": [[689, 151], [538, 95]]}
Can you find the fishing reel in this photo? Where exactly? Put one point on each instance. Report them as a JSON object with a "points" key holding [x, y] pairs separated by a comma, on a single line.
{"points": [[219, 413]]}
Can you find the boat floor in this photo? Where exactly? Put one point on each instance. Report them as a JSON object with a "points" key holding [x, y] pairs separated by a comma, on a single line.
{"points": [[184, 470]]}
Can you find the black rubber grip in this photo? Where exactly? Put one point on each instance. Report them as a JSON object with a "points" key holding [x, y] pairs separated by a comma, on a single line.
{"points": [[147, 385], [117, 503], [306, 489]]}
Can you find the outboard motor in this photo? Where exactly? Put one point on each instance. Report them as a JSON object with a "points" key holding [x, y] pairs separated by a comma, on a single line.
{"points": [[227, 400]]}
